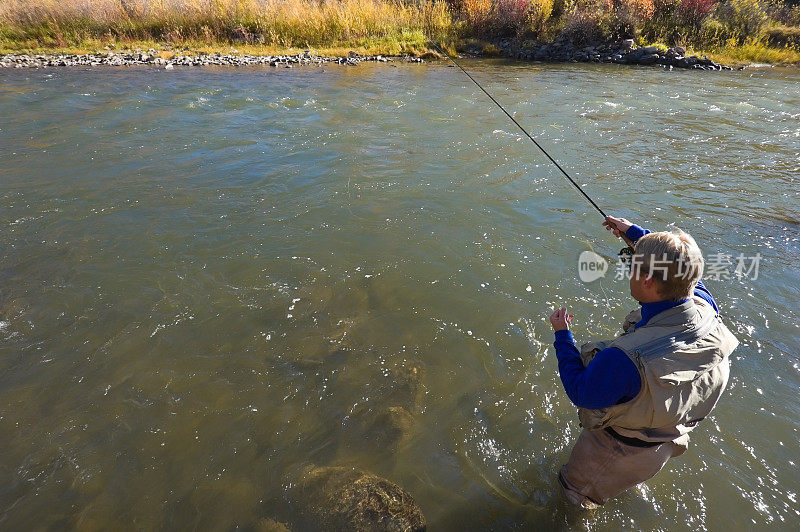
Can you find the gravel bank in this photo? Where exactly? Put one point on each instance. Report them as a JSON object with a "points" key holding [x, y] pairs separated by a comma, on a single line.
{"points": [[151, 57]]}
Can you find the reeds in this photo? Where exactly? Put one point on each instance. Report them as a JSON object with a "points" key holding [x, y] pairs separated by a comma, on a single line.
{"points": [[276, 22]]}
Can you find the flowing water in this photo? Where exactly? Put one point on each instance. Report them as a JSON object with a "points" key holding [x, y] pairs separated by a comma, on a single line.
{"points": [[211, 279]]}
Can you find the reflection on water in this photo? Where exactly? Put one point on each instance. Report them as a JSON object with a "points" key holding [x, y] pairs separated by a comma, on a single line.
{"points": [[214, 278]]}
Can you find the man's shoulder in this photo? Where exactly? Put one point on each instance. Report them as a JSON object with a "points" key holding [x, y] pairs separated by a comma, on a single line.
{"points": [[682, 327], [636, 337], [633, 317]]}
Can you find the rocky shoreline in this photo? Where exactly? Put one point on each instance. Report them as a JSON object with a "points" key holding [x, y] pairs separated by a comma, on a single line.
{"points": [[152, 57], [560, 51], [624, 52]]}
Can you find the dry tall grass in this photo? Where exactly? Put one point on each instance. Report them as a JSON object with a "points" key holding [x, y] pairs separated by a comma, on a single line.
{"points": [[393, 26], [275, 22]]}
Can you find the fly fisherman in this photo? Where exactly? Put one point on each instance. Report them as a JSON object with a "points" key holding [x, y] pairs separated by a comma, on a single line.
{"points": [[640, 394]]}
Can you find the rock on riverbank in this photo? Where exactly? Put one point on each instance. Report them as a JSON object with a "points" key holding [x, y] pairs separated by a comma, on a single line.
{"points": [[152, 57], [624, 52]]}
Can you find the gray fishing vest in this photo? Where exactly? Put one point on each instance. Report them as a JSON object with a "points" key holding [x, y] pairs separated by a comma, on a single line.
{"points": [[682, 358]]}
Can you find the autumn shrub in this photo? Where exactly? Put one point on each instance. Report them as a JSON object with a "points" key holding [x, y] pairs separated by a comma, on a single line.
{"points": [[627, 17], [560, 8], [497, 18], [540, 12], [675, 21], [692, 12], [511, 16], [606, 20], [582, 27], [477, 14], [586, 21], [784, 12], [640, 9]]}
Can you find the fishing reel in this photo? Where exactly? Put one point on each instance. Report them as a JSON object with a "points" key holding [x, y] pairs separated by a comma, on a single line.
{"points": [[626, 256]]}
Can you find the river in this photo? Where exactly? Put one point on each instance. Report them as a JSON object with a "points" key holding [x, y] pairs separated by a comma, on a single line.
{"points": [[211, 279]]}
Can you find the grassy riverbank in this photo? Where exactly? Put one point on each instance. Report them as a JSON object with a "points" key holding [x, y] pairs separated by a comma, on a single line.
{"points": [[729, 31], [750, 53], [215, 25]]}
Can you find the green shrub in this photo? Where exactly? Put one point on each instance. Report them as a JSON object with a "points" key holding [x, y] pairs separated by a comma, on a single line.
{"points": [[782, 35], [741, 19], [713, 32]]}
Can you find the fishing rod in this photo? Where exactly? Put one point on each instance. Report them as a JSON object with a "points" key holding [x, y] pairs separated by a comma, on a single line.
{"points": [[585, 195]]}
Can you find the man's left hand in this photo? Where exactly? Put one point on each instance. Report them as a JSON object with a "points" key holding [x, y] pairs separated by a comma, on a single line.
{"points": [[560, 319]]}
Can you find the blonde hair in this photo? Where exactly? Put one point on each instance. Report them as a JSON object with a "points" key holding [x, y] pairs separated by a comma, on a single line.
{"points": [[673, 259]]}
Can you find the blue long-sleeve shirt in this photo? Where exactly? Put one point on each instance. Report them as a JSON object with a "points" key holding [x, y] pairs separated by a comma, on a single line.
{"points": [[611, 377]]}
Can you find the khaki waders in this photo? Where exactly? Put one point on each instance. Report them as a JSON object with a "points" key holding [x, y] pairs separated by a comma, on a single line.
{"points": [[682, 358]]}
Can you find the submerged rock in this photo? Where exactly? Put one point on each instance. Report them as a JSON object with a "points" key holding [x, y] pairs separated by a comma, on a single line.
{"points": [[340, 498], [407, 386], [227, 502], [270, 525], [384, 430]]}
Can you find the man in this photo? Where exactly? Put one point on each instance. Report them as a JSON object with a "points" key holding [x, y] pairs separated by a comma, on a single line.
{"points": [[640, 394]]}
